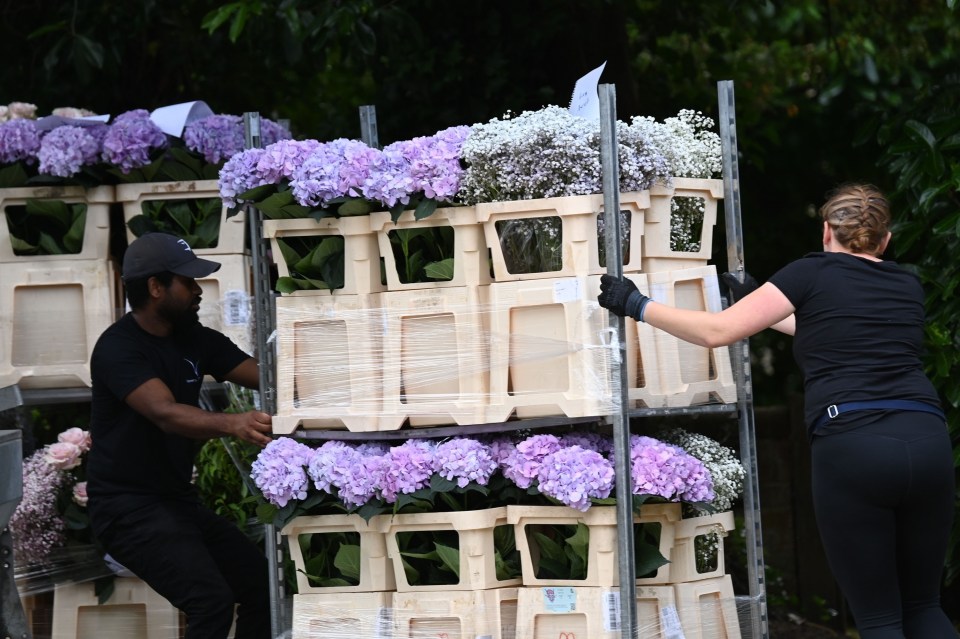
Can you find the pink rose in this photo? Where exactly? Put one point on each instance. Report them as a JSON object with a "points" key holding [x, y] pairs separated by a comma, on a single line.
{"points": [[63, 455], [76, 436], [80, 493]]}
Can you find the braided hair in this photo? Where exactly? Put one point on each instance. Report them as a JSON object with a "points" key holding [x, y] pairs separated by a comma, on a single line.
{"points": [[859, 216]]}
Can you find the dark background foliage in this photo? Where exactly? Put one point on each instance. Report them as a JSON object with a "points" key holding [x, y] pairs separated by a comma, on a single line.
{"points": [[827, 91]]}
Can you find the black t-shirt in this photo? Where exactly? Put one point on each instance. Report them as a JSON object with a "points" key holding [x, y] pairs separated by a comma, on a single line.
{"points": [[133, 463], [859, 333]]}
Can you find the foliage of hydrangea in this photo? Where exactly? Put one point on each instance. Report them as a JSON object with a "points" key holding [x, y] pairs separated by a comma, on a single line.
{"points": [[550, 153], [66, 149], [19, 141], [132, 140], [280, 471], [334, 169], [574, 475]]}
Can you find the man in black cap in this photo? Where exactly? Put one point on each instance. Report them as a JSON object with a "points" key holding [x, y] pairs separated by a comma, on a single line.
{"points": [[147, 427]]}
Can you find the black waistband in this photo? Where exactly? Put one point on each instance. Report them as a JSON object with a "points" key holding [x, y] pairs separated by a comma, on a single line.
{"points": [[890, 404]]}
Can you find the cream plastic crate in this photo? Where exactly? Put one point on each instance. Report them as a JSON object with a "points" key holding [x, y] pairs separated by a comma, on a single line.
{"points": [[580, 241], [51, 314], [134, 611], [96, 232], [227, 303], [657, 254], [490, 614], [361, 254], [691, 374], [435, 355], [470, 259], [376, 569], [474, 529], [231, 238], [550, 350], [683, 559], [348, 615], [329, 363], [602, 564], [708, 609], [591, 613]]}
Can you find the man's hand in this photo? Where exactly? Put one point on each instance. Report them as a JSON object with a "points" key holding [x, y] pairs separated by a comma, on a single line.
{"points": [[621, 296], [253, 426]]}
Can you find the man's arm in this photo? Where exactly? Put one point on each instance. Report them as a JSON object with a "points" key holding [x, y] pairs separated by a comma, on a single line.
{"points": [[247, 374], [153, 400]]}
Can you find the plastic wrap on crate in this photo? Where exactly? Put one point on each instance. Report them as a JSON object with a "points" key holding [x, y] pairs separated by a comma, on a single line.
{"points": [[134, 197], [133, 611], [689, 204], [455, 355], [52, 312], [468, 251], [563, 233], [227, 304], [489, 613], [96, 230]]}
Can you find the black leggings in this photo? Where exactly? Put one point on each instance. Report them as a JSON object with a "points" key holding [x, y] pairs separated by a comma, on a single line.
{"points": [[884, 499]]}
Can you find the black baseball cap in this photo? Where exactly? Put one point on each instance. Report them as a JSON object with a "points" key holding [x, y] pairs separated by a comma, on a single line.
{"points": [[158, 252]]}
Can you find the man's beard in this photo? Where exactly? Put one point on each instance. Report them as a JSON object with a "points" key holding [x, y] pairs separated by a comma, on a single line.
{"points": [[181, 319]]}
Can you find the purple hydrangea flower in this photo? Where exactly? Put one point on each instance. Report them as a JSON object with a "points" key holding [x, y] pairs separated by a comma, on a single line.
{"points": [[281, 159], [353, 471], [239, 175], [465, 460], [279, 471], [407, 468], [64, 150], [668, 471], [575, 475], [216, 137], [590, 441], [335, 169], [271, 132], [19, 141], [131, 140], [523, 465], [501, 448]]}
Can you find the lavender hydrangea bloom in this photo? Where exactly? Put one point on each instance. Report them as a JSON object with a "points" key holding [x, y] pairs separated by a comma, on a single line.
{"points": [[335, 169], [327, 464], [501, 448], [279, 471], [523, 465], [574, 475], [465, 460], [667, 471], [36, 526], [589, 441], [389, 181], [131, 140], [281, 159], [271, 132], [19, 141], [355, 472], [239, 175], [64, 150], [215, 137], [407, 468]]}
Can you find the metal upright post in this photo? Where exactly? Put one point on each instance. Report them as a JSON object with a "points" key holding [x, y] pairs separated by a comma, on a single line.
{"points": [[263, 306], [741, 360], [620, 418], [13, 621], [368, 126]]}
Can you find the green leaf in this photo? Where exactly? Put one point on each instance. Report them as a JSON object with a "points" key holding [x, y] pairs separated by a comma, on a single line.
{"points": [[73, 240], [425, 208], [54, 211], [354, 206], [347, 561], [440, 271], [257, 193], [450, 558], [12, 176]]}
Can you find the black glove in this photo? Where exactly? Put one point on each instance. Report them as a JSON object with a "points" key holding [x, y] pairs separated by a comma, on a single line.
{"points": [[738, 290], [621, 296]]}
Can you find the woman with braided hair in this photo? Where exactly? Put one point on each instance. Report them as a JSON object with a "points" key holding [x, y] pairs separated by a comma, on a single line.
{"points": [[883, 475]]}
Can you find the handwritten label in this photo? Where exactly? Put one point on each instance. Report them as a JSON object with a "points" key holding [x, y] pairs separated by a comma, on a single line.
{"points": [[567, 290], [585, 102]]}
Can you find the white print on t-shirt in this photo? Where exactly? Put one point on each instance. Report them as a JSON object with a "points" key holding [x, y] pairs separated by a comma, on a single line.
{"points": [[196, 371]]}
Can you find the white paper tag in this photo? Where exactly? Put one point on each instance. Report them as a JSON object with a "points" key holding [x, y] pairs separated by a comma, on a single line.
{"points": [[670, 622], [567, 289], [585, 102], [611, 611], [559, 599], [172, 119], [236, 308]]}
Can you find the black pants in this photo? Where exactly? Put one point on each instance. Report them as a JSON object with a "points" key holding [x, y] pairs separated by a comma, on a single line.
{"points": [[884, 499], [201, 563]]}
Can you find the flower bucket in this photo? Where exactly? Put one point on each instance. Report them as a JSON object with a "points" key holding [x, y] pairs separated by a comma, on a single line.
{"points": [[689, 199], [684, 566], [221, 234]]}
